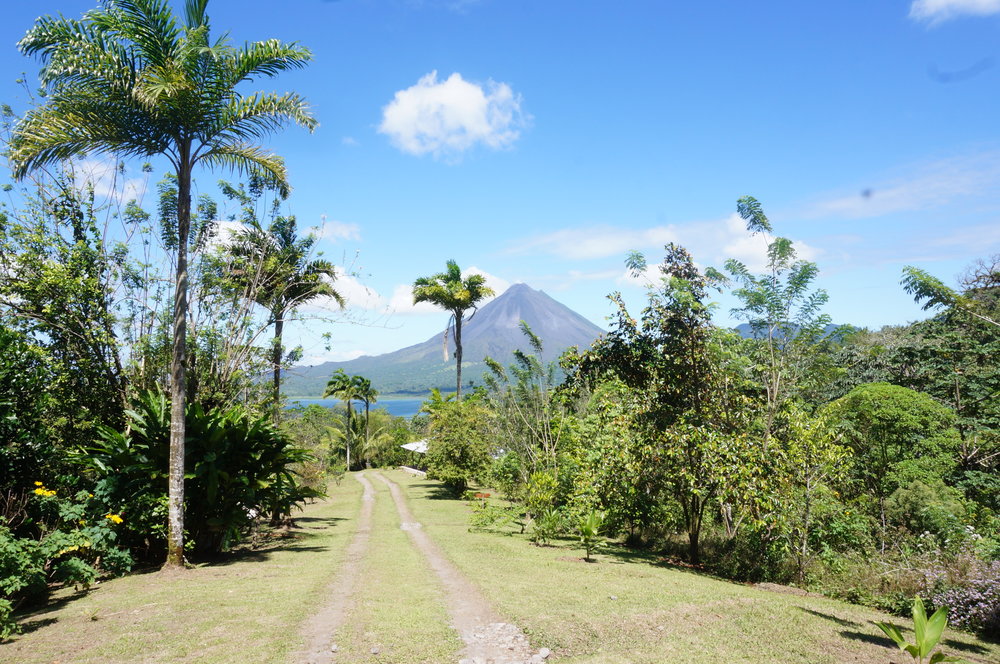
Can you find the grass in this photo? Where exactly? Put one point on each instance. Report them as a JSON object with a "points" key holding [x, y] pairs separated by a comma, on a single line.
{"points": [[252, 602], [627, 608]]}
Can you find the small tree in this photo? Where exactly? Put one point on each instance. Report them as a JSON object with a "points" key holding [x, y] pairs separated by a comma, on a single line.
{"points": [[458, 451], [896, 436], [276, 263], [590, 532], [783, 312], [348, 389]]}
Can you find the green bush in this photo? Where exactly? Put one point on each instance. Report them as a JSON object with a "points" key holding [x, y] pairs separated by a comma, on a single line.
{"points": [[238, 465], [8, 627], [930, 508], [487, 515], [590, 531], [546, 525], [458, 451], [75, 543]]}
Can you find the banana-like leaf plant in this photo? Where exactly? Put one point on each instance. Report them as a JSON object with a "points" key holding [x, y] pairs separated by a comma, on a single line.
{"points": [[926, 633]]}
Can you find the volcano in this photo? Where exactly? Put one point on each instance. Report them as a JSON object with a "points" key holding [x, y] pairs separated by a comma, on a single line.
{"points": [[493, 331]]}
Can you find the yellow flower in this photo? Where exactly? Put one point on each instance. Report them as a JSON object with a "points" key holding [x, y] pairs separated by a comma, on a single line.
{"points": [[113, 518], [42, 491], [68, 549], [38, 484]]}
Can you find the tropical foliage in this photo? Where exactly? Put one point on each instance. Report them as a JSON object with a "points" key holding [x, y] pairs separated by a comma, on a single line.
{"points": [[130, 79]]}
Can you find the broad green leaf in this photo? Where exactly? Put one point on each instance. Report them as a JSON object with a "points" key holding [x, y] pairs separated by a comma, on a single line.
{"points": [[941, 657], [919, 623], [893, 633], [932, 634]]}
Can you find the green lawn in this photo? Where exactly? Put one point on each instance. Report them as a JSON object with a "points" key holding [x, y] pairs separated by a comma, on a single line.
{"points": [[627, 608]]}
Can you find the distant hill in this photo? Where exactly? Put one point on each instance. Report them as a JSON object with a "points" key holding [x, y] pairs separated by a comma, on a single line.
{"points": [[494, 331], [747, 332]]}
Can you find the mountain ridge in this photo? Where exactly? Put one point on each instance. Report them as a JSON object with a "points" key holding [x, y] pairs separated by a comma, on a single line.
{"points": [[494, 331]]}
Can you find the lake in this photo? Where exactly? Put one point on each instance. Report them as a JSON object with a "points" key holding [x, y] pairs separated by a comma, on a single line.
{"points": [[397, 407]]}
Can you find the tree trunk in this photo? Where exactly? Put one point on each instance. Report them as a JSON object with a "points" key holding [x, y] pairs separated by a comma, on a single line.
{"points": [[804, 536], [348, 437], [279, 325], [694, 552], [175, 484], [368, 441], [458, 356]]}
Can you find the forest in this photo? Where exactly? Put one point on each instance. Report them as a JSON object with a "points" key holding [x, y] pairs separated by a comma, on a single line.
{"points": [[143, 420]]}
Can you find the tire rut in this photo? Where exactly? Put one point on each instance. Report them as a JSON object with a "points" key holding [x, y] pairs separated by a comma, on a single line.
{"points": [[488, 638], [319, 630]]}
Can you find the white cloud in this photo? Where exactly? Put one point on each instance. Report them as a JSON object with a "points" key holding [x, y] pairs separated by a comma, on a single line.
{"points": [[336, 230], [498, 284], [931, 185], [401, 301], [710, 241], [355, 294], [597, 241], [108, 182], [936, 11], [649, 277], [446, 118]]}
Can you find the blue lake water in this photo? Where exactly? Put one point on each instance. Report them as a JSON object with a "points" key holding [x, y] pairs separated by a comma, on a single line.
{"points": [[398, 407]]}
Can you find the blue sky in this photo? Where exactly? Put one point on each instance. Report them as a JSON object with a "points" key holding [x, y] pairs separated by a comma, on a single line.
{"points": [[538, 142]]}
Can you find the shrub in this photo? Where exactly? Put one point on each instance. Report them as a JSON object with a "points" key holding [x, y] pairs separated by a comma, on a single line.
{"points": [[458, 448], [488, 515], [237, 464], [541, 492], [8, 627], [547, 524], [975, 604], [927, 633], [929, 507], [75, 544]]}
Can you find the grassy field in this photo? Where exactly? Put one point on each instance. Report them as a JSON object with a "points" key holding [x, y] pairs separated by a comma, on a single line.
{"points": [[624, 608], [252, 603]]}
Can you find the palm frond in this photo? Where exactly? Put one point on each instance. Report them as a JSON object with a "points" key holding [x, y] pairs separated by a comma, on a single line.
{"points": [[149, 25], [51, 133], [267, 58], [259, 115], [248, 159]]}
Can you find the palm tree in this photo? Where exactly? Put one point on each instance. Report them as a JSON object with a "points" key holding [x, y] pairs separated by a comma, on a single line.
{"points": [[281, 277], [345, 388], [368, 395], [129, 79], [455, 295]]}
